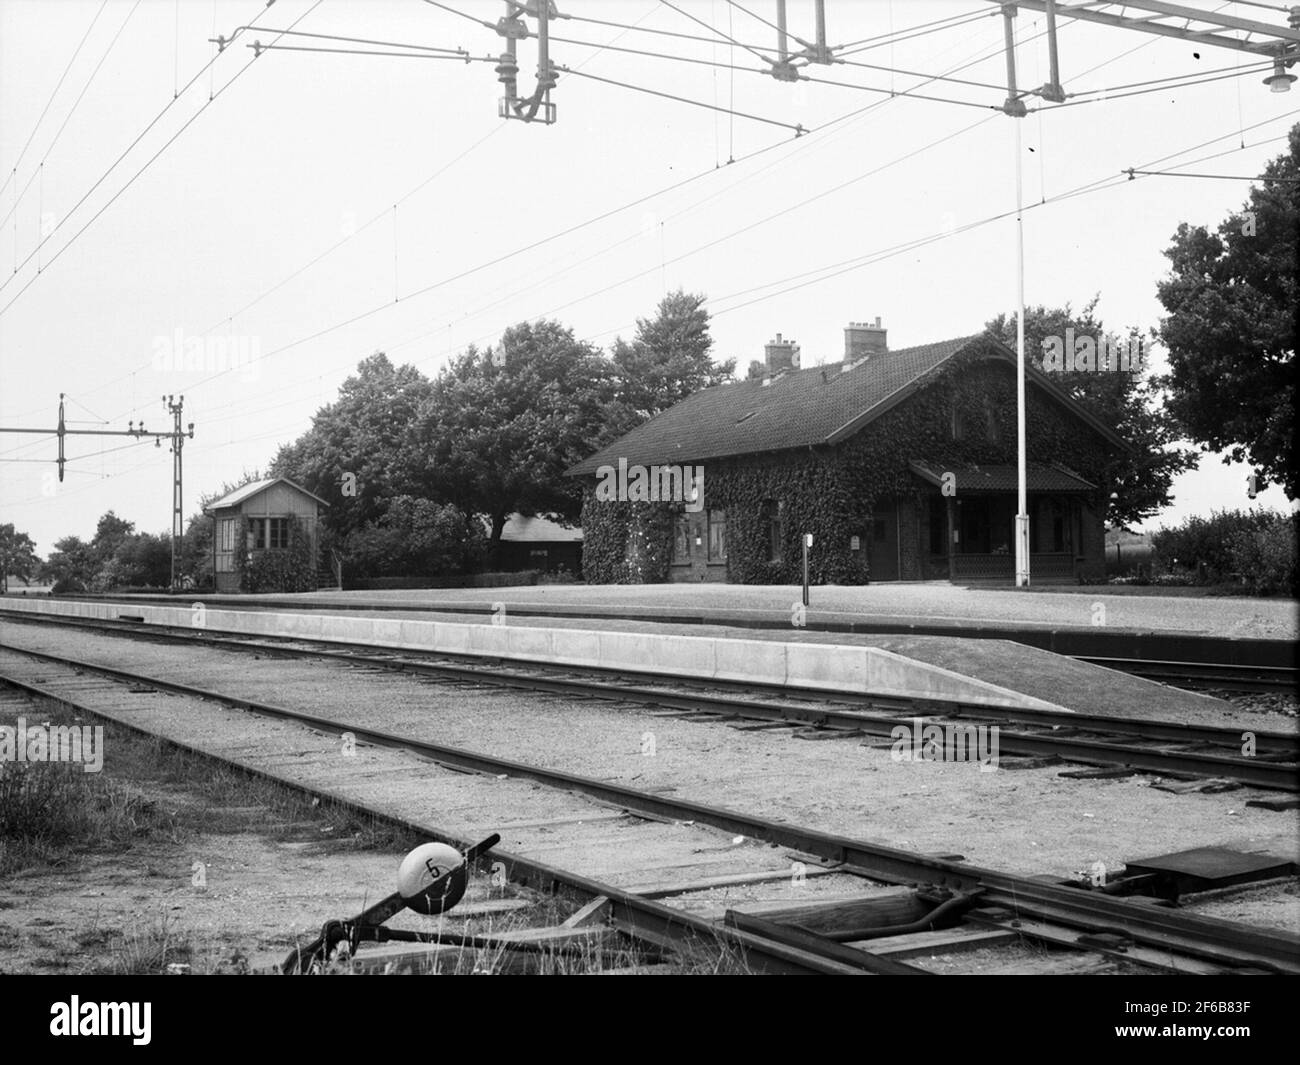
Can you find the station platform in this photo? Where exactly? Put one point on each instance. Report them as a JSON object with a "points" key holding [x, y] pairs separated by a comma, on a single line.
{"points": [[1174, 611], [941, 668]]}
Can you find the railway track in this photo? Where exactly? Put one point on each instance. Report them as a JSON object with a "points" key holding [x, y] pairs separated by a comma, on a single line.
{"points": [[1205, 676], [1103, 743], [944, 898]]}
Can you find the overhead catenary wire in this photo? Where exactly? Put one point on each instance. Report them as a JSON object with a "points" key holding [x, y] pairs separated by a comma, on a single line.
{"points": [[382, 214], [799, 130], [68, 117], [768, 24], [58, 85], [837, 122], [130, 181], [713, 29], [113, 166], [363, 315]]}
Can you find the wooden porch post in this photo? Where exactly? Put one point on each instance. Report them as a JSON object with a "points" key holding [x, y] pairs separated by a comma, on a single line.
{"points": [[952, 559]]}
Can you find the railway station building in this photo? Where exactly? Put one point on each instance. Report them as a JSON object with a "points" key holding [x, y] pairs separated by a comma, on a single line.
{"points": [[901, 464]]}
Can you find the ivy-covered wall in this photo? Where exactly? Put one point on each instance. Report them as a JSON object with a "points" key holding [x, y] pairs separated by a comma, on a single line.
{"points": [[625, 543], [287, 569], [831, 492]]}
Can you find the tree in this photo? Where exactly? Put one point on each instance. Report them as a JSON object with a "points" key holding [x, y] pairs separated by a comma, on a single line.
{"points": [[140, 560], [1138, 483], [72, 565], [355, 455], [17, 556], [502, 425], [110, 532], [666, 361], [1231, 330]]}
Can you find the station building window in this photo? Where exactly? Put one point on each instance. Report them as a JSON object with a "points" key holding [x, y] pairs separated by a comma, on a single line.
{"points": [[681, 539], [772, 522], [717, 536]]}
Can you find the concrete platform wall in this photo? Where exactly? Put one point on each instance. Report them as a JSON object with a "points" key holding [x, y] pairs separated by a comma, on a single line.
{"points": [[821, 666]]}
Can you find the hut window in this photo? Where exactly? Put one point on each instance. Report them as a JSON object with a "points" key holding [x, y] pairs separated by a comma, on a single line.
{"points": [[268, 532], [227, 542]]}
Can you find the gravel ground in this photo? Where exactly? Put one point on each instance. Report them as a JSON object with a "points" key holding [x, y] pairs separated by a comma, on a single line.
{"points": [[1028, 821], [1247, 618]]}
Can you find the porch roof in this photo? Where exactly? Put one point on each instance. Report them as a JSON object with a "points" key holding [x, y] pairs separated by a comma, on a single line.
{"points": [[1039, 477]]}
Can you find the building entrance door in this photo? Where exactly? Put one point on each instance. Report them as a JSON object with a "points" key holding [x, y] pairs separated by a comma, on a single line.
{"points": [[883, 554]]}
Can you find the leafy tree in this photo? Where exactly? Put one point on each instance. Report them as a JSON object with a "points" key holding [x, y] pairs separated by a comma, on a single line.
{"points": [[665, 362], [72, 565], [1138, 483], [502, 425], [355, 455], [141, 560], [17, 556], [1231, 331], [109, 535]]}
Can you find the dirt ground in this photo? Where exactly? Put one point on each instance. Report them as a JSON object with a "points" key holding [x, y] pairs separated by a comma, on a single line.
{"points": [[220, 874]]}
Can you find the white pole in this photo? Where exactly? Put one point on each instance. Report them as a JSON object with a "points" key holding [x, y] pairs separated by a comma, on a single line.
{"points": [[1022, 515]]}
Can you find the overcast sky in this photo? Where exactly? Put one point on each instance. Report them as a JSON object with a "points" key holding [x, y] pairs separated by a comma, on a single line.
{"points": [[325, 206]]}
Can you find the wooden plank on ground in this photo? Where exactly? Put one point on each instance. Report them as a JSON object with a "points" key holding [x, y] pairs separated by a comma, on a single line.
{"points": [[662, 890], [591, 913], [943, 941], [891, 906]]}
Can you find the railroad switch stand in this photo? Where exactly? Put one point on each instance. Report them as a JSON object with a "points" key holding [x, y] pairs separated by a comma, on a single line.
{"points": [[340, 937]]}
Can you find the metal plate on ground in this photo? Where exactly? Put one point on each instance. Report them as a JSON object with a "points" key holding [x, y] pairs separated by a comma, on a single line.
{"points": [[1204, 868]]}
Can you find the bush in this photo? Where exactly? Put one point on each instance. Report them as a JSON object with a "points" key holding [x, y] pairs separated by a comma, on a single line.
{"points": [[1252, 548], [289, 569], [1202, 546], [1265, 557], [415, 536]]}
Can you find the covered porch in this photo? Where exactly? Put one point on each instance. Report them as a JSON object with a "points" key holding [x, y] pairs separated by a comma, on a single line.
{"points": [[968, 523]]}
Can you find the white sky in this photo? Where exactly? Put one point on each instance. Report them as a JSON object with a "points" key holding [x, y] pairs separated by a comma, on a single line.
{"points": [[304, 149]]}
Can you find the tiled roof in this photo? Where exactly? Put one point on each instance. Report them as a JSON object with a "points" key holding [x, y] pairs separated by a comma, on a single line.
{"points": [[798, 409], [1039, 477]]}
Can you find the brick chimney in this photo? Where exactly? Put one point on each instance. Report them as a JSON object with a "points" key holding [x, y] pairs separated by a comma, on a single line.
{"points": [[862, 340], [779, 355]]}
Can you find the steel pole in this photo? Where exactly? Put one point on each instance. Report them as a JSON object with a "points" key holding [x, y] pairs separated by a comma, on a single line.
{"points": [[1022, 502]]}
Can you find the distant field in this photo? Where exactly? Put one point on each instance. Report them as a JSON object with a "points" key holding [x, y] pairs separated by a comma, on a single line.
{"points": [[17, 588]]}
